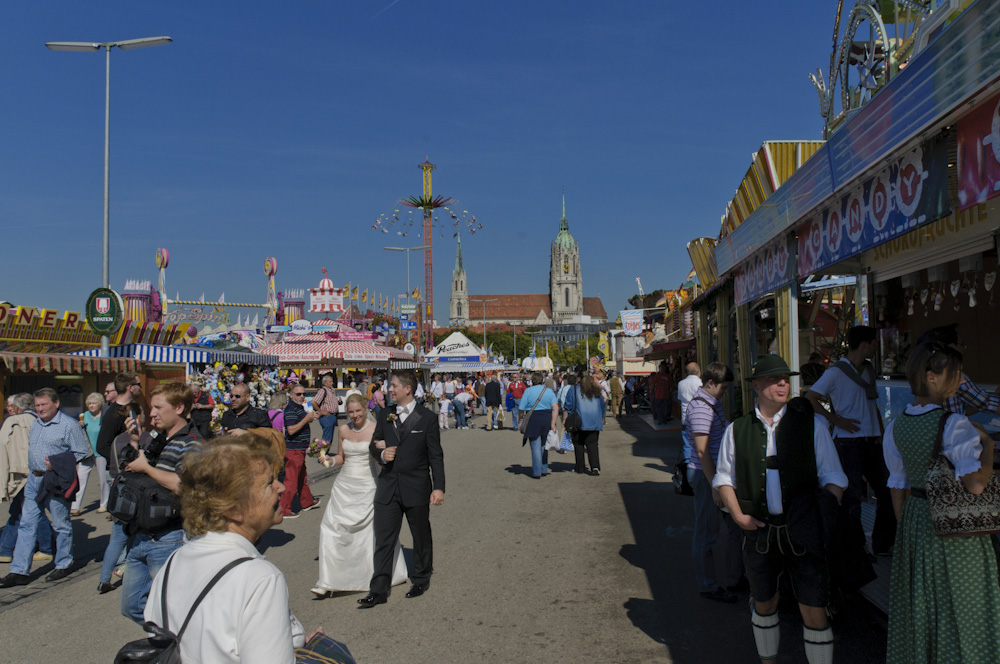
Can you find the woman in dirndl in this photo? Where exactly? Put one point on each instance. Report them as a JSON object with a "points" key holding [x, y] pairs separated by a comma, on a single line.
{"points": [[944, 592]]}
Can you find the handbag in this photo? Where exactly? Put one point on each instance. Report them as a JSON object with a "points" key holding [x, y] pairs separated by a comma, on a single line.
{"points": [[573, 421], [566, 443], [523, 427], [955, 511], [164, 647]]}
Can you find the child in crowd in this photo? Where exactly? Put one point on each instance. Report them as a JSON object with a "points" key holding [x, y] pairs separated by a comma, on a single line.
{"points": [[445, 404]]}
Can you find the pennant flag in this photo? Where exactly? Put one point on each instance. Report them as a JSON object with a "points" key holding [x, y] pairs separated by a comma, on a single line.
{"points": [[364, 296], [354, 294], [416, 293]]}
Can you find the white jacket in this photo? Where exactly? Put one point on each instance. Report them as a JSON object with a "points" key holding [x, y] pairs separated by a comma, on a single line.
{"points": [[14, 454]]}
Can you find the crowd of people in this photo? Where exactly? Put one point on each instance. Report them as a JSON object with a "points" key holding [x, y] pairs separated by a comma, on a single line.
{"points": [[784, 484]]}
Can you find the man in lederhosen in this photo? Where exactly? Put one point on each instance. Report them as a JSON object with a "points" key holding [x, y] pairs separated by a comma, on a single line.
{"points": [[779, 475]]}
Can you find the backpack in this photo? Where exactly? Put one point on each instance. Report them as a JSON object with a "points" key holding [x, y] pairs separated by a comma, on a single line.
{"points": [[164, 647], [142, 503]]}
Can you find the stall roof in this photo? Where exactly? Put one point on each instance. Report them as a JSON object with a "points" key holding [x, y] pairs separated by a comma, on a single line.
{"points": [[182, 354], [664, 350], [468, 367], [66, 364], [317, 348]]}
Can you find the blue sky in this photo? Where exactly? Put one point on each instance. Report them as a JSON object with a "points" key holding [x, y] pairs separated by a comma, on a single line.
{"points": [[286, 129]]}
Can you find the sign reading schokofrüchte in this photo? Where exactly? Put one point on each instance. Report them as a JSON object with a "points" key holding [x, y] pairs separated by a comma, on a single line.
{"points": [[105, 311]]}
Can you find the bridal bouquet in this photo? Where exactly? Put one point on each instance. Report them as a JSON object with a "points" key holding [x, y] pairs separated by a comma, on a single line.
{"points": [[318, 448]]}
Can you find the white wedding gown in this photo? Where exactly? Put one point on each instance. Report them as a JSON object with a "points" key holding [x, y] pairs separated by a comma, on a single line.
{"points": [[347, 534]]}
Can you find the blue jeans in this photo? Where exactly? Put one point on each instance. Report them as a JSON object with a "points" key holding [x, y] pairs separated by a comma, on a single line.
{"points": [[145, 558], [27, 531], [114, 555], [43, 532], [482, 404], [688, 445], [539, 456], [459, 408], [515, 422], [329, 424], [706, 526]]}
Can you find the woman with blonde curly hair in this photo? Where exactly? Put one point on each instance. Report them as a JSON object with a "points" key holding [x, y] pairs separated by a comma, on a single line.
{"points": [[229, 499], [347, 534]]}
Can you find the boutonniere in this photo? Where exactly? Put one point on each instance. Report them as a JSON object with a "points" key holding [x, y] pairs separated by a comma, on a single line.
{"points": [[391, 417]]}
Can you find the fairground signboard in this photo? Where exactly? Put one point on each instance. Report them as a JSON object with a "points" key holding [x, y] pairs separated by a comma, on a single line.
{"points": [[105, 311], [632, 322]]}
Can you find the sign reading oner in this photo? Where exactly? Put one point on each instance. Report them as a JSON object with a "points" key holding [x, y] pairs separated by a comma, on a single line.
{"points": [[105, 311]]}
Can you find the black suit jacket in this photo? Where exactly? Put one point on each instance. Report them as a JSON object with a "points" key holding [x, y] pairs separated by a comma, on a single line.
{"points": [[493, 396], [419, 464]]}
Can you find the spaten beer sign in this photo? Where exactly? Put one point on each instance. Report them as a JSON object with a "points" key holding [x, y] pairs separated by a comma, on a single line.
{"points": [[105, 311]]}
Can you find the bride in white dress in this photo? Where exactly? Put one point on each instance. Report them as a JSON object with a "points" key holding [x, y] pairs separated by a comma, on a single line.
{"points": [[347, 534]]}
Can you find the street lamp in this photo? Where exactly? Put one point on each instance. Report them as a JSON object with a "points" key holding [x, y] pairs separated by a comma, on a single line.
{"points": [[107, 46], [408, 250], [495, 299]]}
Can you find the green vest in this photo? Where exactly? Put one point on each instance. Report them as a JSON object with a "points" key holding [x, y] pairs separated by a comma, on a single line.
{"points": [[796, 458]]}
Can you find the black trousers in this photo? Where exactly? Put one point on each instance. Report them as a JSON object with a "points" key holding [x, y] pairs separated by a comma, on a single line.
{"points": [[586, 441], [862, 460], [388, 520]]}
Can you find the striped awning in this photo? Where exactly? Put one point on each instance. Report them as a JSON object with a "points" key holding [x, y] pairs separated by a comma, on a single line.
{"points": [[66, 364], [404, 364], [310, 349], [183, 354], [467, 367]]}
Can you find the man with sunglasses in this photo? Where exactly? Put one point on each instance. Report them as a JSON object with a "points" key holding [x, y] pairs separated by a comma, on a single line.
{"points": [[241, 415], [777, 473], [297, 422]]}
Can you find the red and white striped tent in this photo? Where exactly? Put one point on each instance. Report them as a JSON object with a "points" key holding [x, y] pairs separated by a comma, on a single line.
{"points": [[315, 349]]}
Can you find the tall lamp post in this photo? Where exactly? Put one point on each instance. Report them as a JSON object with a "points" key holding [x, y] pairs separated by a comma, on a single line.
{"points": [[408, 291], [495, 299], [107, 46]]}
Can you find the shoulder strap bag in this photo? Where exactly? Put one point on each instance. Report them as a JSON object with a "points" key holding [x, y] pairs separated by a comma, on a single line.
{"points": [[574, 422], [523, 427], [164, 647], [954, 511]]}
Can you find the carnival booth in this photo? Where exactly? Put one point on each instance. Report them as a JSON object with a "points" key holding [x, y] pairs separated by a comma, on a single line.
{"points": [[457, 354], [72, 376]]}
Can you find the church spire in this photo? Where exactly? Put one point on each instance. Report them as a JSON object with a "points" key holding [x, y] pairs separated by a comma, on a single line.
{"points": [[563, 222], [458, 256]]}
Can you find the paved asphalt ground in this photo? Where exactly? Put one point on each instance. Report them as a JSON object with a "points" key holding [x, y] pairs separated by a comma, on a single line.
{"points": [[568, 568]]}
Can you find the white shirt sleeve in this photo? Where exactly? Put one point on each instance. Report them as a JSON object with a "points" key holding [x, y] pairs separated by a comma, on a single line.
{"points": [[828, 467], [824, 386], [961, 445], [724, 466], [898, 478], [269, 633]]}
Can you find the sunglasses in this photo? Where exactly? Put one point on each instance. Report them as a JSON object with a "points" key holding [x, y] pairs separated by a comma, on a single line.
{"points": [[298, 394]]}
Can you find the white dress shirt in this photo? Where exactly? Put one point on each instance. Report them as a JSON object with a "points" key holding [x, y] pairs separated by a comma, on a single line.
{"points": [[828, 467], [243, 619]]}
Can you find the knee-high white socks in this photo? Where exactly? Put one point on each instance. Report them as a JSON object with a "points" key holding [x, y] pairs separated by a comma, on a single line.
{"points": [[766, 633], [819, 645]]}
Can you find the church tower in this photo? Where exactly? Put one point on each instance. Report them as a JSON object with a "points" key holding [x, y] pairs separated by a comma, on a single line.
{"points": [[565, 278], [458, 312]]}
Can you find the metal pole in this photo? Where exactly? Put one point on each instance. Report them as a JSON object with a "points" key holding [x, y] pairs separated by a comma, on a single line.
{"points": [[484, 330], [105, 271]]}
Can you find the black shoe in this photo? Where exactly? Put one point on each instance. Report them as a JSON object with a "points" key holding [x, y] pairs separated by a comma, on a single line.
{"points": [[720, 595], [12, 580], [595, 471], [59, 574], [373, 599], [417, 589], [104, 588], [741, 586]]}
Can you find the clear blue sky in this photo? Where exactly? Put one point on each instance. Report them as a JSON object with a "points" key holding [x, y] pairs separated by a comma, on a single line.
{"points": [[286, 128]]}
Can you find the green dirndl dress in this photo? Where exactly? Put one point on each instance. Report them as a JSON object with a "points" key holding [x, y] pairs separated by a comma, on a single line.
{"points": [[944, 592]]}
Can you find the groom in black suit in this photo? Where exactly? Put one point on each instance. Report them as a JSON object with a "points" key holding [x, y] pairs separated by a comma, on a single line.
{"points": [[411, 480]]}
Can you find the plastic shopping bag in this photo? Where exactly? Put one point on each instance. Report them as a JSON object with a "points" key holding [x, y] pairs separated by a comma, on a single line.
{"points": [[552, 441], [566, 442]]}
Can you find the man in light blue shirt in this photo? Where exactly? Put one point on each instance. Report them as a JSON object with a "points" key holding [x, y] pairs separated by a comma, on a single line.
{"points": [[53, 433]]}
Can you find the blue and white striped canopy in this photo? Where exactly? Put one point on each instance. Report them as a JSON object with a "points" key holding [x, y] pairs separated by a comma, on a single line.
{"points": [[182, 354], [467, 367]]}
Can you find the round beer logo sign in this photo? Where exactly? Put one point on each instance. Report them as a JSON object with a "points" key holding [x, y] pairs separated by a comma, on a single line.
{"points": [[105, 311]]}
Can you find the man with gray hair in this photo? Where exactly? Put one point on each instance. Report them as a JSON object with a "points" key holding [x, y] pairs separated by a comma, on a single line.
{"points": [[51, 435], [14, 475], [686, 389]]}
